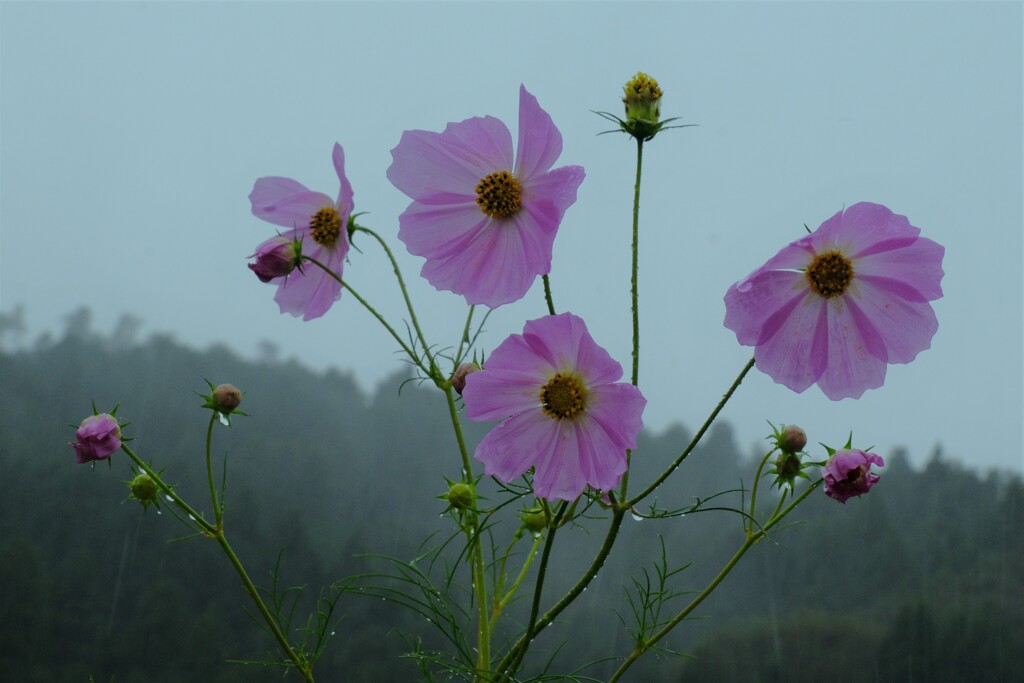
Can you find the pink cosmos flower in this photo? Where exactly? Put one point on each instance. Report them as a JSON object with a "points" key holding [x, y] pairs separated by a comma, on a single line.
{"points": [[98, 437], [835, 307], [564, 411], [485, 223], [848, 474], [321, 223]]}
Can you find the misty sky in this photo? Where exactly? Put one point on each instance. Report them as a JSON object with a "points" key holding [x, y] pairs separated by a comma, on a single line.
{"points": [[131, 134]]}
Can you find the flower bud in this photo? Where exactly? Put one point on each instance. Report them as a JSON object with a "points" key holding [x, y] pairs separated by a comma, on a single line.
{"points": [[143, 488], [460, 496], [643, 98], [848, 474], [792, 439], [536, 521], [98, 436], [787, 466], [226, 397], [461, 372], [276, 258]]}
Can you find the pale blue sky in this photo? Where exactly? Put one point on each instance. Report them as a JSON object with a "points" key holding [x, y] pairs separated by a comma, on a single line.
{"points": [[131, 134]]}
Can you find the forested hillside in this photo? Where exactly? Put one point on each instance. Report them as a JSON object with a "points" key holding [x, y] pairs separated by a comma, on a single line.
{"points": [[922, 580]]}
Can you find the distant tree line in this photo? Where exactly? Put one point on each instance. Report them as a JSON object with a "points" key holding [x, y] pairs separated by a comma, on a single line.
{"points": [[922, 580]]}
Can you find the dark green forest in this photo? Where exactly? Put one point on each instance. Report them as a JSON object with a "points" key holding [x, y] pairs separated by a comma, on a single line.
{"points": [[922, 580]]}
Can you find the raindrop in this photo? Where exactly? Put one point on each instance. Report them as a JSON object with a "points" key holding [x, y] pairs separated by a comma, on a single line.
{"points": [[332, 633], [168, 498], [744, 286], [223, 420], [159, 512], [636, 517], [192, 518]]}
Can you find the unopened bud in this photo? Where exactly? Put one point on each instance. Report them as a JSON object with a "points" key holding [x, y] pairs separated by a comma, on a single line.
{"points": [[535, 521], [792, 439], [461, 496], [143, 488], [277, 257], [226, 397], [461, 372], [787, 465]]}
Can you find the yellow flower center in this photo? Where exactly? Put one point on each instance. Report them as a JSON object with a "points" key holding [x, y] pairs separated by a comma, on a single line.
{"points": [[641, 88], [499, 195], [830, 274], [325, 226], [563, 397]]}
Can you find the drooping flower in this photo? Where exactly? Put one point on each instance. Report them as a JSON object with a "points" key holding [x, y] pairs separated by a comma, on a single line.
{"points": [[319, 223], [835, 307], [97, 438], [563, 410], [484, 222], [848, 473]]}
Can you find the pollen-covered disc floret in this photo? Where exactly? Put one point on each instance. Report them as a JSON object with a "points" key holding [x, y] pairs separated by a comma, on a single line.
{"points": [[642, 98], [830, 274], [325, 227], [834, 308], [319, 224], [563, 397], [484, 221], [499, 195], [562, 408]]}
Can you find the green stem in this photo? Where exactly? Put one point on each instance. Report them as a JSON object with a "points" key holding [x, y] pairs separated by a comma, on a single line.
{"points": [[506, 674], [753, 493], [547, 294], [476, 557], [465, 337], [696, 439], [519, 649], [749, 542], [636, 262], [304, 667], [205, 526], [217, 532], [405, 293], [217, 512], [405, 347], [518, 582], [634, 293], [643, 647]]}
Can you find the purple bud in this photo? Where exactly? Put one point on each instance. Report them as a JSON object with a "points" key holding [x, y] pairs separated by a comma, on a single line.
{"points": [[98, 436], [275, 258], [849, 474], [226, 397], [459, 378], [792, 439]]}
